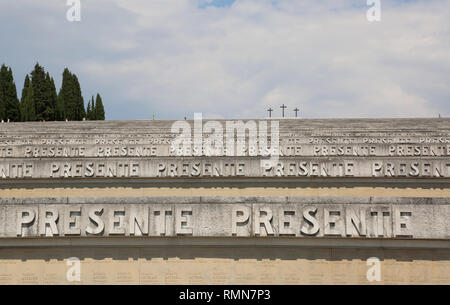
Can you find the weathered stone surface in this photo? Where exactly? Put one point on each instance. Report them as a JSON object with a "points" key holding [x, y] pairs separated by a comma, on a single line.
{"points": [[255, 230], [163, 150], [212, 167], [409, 148], [301, 217], [329, 137], [124, 151]]}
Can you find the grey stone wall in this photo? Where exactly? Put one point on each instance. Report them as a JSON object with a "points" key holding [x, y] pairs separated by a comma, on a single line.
{"points": [[327, 148], [297, 217], [379, 149]]}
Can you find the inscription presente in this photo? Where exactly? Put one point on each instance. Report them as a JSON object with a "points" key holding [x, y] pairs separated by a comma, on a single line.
{"points": [[230, 220], [224, 167]]}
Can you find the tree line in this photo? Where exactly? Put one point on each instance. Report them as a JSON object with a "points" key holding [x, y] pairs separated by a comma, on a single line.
{"points": [[41, 102]]}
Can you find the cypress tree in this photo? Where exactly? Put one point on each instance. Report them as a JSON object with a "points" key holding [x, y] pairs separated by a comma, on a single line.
{"points": [[50, 98], [88, 110], [12, 102], [99, 109], [9, 103], [80, 112], [2, 103], [2, 97], [70, 97], [53, 97], [26, 85], [39, 91], [92, 115], [41, 102], [27, 102], [65, 97], [44, 94], [60, 113]]}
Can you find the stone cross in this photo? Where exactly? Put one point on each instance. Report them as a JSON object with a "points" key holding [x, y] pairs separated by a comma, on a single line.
{"points": [[296, 110], [282, 108], [270, 112]]}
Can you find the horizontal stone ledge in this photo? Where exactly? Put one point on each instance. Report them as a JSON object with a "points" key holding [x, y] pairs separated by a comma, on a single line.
{"points": [[229, 182], [299, 217], [77, 130], [344, 123], [93, 136], [264, 242], [291, 131], [212, 167], [351, 150], [227, 200], [284, 139]]}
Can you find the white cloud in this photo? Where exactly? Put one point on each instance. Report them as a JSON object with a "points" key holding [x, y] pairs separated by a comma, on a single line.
{"points": [[172, 58]]}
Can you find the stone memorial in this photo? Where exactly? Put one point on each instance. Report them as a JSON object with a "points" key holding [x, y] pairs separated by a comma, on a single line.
{"points": [[286, 201]]}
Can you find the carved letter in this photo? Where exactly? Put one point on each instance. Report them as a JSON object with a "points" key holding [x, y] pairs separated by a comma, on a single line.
{"points": [[138, 222], [116, 217], [355, 225], [402, 223], [161, 224], [47, 222], [183, 227], [285, 222], [72, 221], [94, 216], [308, 215], [25, 217], [240, 215], [333, 221], [263, 216]]}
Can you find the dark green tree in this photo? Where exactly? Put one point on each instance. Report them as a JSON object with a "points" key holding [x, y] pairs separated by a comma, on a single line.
{"points": [[88, 110], [52, 96], [27, 106], [9, 103], [39, 94], [41, 102], [99, 109], [70, 97], [2, 104], [43, 94], [26, 87], [65, 97], [79, 106], [3, 84], [91, 109], [60, 111]]}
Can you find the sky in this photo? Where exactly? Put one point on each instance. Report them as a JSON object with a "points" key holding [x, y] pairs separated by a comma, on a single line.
{"points": [[237, 58]]}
